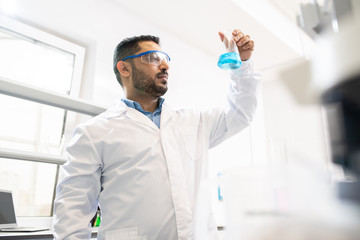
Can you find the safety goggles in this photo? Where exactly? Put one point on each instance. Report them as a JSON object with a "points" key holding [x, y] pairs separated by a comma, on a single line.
{"points": [[154, 57]]}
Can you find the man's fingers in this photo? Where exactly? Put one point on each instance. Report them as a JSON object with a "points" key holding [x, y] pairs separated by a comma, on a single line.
{"points": [[221, 35], [243, 40], [244, 43], [237, 35], [249, 45]]}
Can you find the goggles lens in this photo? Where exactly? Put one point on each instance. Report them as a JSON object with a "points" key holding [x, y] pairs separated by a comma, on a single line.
{"points": [[151, 57], [155, 58]]}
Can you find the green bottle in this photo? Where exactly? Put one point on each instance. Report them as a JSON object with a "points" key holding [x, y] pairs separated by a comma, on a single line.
{"points": [[98, 218]]}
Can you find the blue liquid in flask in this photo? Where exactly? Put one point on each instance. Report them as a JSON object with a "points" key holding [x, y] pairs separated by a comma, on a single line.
{"points": [[230, 60]]}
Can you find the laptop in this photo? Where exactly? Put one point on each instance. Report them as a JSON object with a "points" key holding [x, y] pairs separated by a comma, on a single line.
{"points": [[8, 218]]}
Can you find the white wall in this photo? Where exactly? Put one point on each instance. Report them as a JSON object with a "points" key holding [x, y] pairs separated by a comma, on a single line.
{"points": [[99, 26], [297, 128]]}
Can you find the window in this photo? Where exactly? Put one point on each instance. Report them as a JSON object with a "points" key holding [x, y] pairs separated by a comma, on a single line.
{"points": [[30, 57]]}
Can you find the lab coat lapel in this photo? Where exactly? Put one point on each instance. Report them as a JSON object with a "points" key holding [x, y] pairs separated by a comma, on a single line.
{"points": [[166, 114], [140, 118], [177, 175]]}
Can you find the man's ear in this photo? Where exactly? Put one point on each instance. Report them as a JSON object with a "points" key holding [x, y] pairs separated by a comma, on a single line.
{"points": [[123, 68]]}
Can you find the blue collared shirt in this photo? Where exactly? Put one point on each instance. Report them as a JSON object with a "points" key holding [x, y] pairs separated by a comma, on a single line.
{"points": [[154, 117]]}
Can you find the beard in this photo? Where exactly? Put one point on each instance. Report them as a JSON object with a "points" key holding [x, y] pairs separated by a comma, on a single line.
{"points": [[145, 83]]}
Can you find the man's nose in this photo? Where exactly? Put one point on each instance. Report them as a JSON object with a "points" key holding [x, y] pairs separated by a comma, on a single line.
{"points": [[164, 65]]}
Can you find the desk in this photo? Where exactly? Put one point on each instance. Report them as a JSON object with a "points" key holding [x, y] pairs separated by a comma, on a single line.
{"points": [[34, 235], [26, 235]]}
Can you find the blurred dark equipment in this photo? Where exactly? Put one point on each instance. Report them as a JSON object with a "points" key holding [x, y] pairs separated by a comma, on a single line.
{"points": [[342, 104]]}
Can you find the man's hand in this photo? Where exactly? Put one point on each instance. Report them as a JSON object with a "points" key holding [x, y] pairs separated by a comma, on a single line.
{"points": [[243, 42]]}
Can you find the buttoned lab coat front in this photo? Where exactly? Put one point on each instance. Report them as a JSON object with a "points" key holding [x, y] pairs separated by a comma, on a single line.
{"points": [[148, 181]]}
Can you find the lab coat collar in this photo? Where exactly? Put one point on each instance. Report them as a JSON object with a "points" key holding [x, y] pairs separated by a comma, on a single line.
{"points": [[140, 117], [121, 108], [115, 111]]}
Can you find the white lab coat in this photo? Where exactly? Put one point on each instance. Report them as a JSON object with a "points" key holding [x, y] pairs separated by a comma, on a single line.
{"points": [[148, 181]]}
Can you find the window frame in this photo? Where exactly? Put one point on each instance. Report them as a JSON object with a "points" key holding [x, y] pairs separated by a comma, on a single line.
{"points": [[70, 102], [54, 41]]}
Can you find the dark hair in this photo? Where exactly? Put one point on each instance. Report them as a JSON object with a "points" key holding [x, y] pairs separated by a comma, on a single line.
{"points": [[128, 47]]}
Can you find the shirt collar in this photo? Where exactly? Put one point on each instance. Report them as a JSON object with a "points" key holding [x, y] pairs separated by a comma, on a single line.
{"points": [[137, 106]]}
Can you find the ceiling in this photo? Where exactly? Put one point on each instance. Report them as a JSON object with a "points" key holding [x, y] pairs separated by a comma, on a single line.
{"points": [[198, 21]]}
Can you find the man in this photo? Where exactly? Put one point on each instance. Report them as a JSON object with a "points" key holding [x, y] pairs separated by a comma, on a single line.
{"points": [[143, 162]]}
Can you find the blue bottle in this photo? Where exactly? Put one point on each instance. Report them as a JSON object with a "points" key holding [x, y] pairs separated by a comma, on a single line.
{"points": [[231, 59]]}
